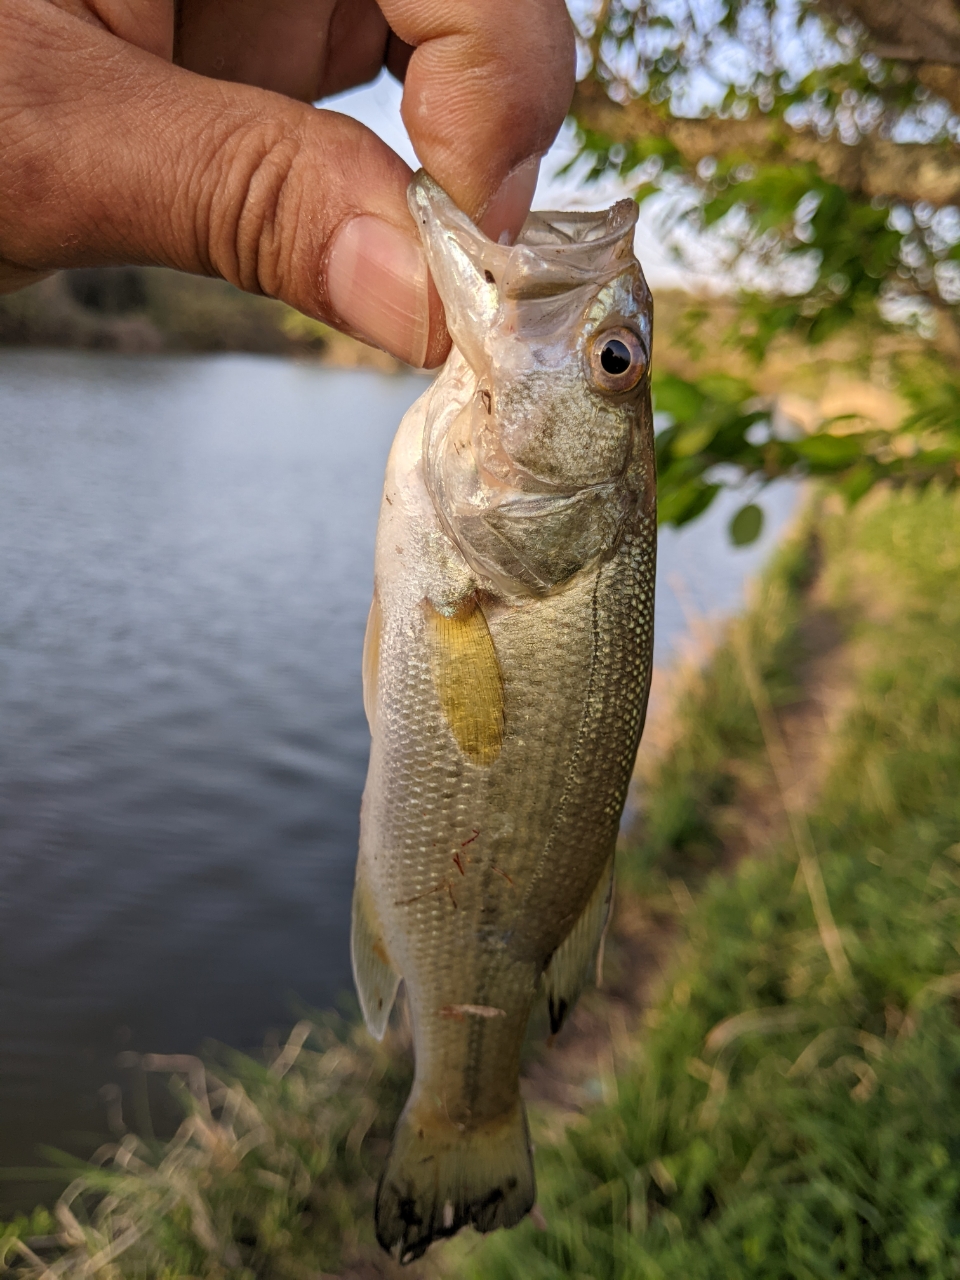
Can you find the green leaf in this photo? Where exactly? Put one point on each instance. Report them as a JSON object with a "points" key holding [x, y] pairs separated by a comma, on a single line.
{"points": [[726, 388], [677, 397], [680, 504], [829, 453], [858, 481], [693, 439], [746, 525]]}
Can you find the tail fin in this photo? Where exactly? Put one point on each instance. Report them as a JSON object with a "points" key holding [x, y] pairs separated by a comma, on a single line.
{"points": [[439, 1178]]}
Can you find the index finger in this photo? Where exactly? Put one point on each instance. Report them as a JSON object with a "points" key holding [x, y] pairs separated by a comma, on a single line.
{"points": [[486, 90]]}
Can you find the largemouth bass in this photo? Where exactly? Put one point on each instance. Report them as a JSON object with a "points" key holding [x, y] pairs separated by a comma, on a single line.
{"points": [[506, 669]]}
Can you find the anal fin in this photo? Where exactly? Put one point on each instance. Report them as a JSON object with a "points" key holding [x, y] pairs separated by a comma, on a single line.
{"points": [[373, 972], [574, 962]]}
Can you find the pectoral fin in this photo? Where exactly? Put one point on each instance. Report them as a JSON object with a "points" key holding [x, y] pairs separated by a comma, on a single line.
{"points": [[468, 679], [371, 660], [373, 971], [574, 962]]}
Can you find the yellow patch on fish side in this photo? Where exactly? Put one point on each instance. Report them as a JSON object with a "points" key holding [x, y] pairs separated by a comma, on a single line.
{"points": [[468, 679], [371, 659]]}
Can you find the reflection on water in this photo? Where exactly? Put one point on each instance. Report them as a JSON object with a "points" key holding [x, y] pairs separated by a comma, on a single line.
{"points": [[185, 568]]}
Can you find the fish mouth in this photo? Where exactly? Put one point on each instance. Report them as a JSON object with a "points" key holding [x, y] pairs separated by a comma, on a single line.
{"points": [[554, 253], [557, 252], [517, 314]]}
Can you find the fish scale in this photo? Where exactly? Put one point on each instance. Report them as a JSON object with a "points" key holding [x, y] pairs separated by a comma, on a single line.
{"points": [[506, 672]]}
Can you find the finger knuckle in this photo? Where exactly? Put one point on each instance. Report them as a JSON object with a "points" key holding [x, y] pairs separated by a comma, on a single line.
{"points": [[253, 220]]}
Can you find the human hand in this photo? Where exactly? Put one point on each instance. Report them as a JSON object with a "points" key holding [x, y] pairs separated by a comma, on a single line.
{"points": [[178, 132]]}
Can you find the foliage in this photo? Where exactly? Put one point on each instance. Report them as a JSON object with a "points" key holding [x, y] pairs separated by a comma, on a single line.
{"points": [[717, 751], [822, 177], [789, 84], [721, 432], [856, 250], [777, 1121]]}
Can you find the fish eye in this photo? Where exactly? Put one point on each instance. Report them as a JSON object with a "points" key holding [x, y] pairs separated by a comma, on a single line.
{"points": [[617, 360], [615, 356]]}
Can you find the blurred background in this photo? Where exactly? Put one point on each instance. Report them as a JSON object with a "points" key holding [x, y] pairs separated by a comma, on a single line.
{"points": [[190, 480]]}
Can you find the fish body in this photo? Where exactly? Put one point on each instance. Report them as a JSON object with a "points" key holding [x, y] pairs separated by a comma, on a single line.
{"points": [[506, 671]]}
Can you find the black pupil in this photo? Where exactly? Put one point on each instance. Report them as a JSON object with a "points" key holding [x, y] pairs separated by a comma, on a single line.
{"points": [[615, 356]]}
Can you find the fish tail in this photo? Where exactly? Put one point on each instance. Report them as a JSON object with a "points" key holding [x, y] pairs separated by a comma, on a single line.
{"points": [[440, 1177]]}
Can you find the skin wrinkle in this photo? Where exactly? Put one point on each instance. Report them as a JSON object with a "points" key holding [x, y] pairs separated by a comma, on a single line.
{"points": [[149, 27], [78, 9], [251, 213], [278, 244], [437, 85], [255, 166], [459, 98], [245, 216]]}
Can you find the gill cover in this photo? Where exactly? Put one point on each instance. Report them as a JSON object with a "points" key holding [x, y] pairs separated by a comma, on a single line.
{"points": [[529, 457]]}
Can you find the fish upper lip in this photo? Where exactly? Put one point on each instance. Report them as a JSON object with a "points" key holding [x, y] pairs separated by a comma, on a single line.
{"points": [[547, 257], [618, 218]]}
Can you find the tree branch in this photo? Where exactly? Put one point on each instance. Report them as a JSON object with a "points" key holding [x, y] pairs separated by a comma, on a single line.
{"points": [[943, 80], [873, 167], [923, 32], [920, 31]]}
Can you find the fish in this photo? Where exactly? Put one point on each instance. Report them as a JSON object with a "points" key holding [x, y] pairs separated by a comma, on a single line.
{"points": [[506, 668]]}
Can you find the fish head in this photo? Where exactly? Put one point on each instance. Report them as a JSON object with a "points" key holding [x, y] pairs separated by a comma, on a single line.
{"points": [[553, 428]]}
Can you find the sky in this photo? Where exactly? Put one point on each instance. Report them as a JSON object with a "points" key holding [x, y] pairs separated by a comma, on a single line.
{"points": [[377, 105]]}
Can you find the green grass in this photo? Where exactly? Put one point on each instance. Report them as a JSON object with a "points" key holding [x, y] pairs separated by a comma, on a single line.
{"points": [[272, 1172], [777, 1120], [717, 752]]}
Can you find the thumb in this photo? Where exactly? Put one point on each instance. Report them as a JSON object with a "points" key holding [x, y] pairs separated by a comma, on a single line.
{"points": [[113, 155]]}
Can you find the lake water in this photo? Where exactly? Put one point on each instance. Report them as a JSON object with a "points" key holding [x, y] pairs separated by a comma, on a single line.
{"points": [[185, 570]]}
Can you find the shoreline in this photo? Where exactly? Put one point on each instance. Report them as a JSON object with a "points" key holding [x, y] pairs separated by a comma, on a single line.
{"points": [[153, 310]]}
